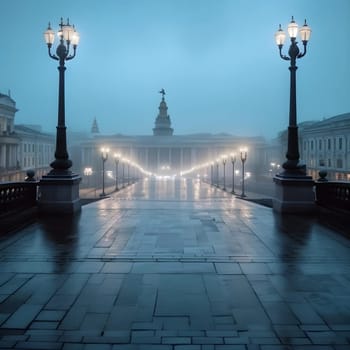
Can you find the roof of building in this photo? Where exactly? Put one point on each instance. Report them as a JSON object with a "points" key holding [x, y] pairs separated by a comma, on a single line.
{"points": [[336, 119], [30, 130], [309, 126], [7, 97], [340, 120]]}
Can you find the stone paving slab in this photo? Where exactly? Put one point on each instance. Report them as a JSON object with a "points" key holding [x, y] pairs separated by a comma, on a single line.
{"points": [[175, 265]]}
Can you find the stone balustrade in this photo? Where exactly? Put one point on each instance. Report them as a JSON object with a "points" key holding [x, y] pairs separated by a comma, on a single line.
{"points": [[16, 196], [334, 195]]}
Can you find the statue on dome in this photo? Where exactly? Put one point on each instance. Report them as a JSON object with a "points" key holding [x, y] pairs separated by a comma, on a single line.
{"points": [[163, 93]]}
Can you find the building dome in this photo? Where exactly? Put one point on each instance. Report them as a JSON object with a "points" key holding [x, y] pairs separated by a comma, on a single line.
{"points": [[163, 122]]}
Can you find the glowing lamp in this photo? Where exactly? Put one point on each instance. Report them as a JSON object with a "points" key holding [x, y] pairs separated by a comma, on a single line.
{"points": [[293, 29], [280, 36], [49, 35], [305, 33]]}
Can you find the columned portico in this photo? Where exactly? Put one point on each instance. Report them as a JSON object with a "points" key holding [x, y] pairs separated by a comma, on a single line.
{"points": [[2, 156], [175, 153]]}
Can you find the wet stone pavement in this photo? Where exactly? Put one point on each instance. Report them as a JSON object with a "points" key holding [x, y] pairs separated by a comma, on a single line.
{"points": [[175, 266]]}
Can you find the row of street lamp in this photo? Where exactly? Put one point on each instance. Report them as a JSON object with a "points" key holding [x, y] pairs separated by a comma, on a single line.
{"points": [[117, 158], [223, 159]]}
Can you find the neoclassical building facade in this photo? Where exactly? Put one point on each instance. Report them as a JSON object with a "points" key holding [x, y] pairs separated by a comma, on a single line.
{"points": [[325, 145], [22, 147], [9, 141], [165, 152]]}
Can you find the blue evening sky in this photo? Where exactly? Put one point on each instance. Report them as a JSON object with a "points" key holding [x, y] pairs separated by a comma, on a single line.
{"points": [[216, 59]]}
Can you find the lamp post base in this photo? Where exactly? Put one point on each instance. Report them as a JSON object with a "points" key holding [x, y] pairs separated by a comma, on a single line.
{"points": [[59, 193], [294, 195]]}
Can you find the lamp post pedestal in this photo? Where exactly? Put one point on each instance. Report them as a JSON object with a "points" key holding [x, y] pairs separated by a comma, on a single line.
{"points": [[59, 194], [294, 194]]}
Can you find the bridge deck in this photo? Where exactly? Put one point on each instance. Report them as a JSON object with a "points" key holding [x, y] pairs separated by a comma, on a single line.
{"points": [[175, 266]]}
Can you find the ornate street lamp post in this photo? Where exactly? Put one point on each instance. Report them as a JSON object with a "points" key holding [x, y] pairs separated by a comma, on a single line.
{"points": [[88, 173], [123, 172], [233, 160], [59, 189], [104, 157], [217, 172], [243, 159], [116, 160], [292, 166], [224, 159], [212, 173], [293, 188], [128, 172], [68, 37]]}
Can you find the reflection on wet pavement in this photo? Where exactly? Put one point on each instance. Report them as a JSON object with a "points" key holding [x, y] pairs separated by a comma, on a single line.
{"points": [[175, 265]]}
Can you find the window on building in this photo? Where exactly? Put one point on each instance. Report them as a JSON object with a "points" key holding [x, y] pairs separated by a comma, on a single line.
{"points": [[339, 163], [320, 145], [329, 162], [340, 143], [312, 145], [321, 162], [329, 144]]}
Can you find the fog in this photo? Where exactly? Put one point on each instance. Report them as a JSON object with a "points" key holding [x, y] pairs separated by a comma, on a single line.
{"points": [[217, 61]]}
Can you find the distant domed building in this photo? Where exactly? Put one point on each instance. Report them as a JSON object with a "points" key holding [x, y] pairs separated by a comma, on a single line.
{"points": [[165, 153], [163, 122]]}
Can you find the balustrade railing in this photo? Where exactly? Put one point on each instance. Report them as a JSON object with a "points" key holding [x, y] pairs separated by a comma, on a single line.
{"points": [[333, 194], [15, 196]]}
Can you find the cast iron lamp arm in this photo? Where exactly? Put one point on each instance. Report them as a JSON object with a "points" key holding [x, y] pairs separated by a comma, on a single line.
{"points": [[53, 56], [302, 54], [284, 57], [72, 55]]}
